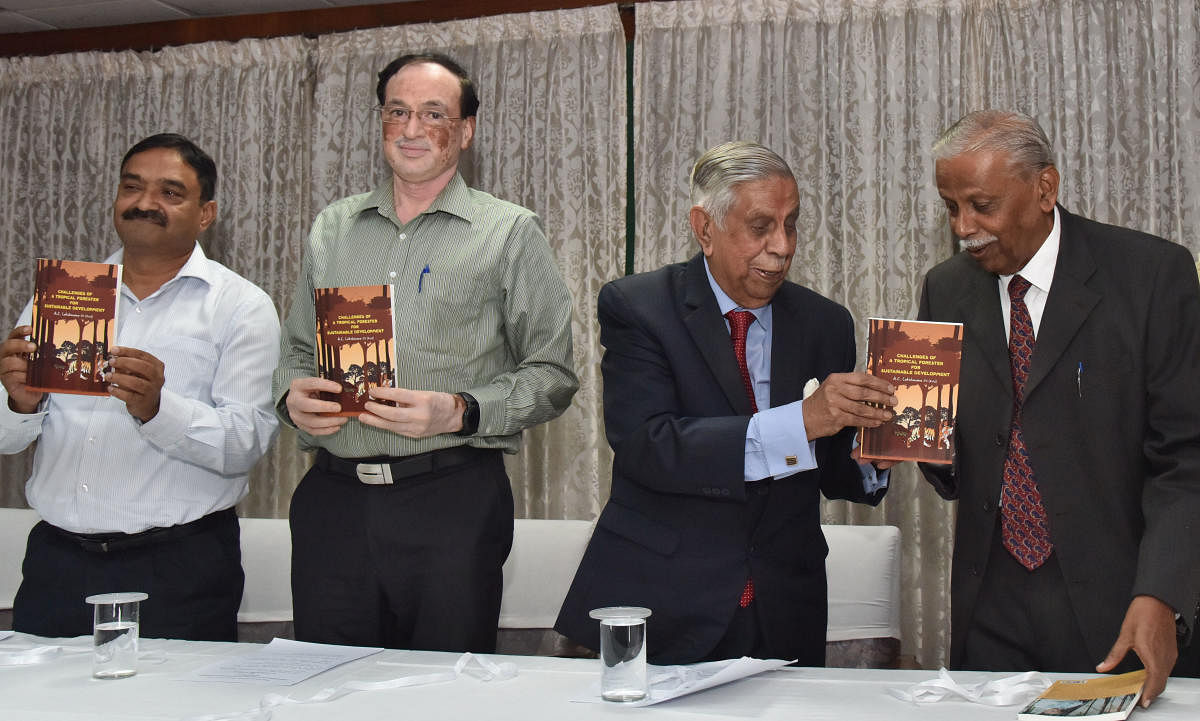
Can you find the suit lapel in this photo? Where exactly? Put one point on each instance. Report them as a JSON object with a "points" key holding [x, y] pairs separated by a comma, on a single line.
{"points": [[1070, 302], [789, 362], [702, 317], [984, 320]]}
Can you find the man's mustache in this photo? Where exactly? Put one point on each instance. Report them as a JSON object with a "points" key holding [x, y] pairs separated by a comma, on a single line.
{"points": [[154, 216]]}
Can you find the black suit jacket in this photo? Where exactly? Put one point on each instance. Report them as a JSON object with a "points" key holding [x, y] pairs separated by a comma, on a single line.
{"points": [[1111, 420], [675, 535]]}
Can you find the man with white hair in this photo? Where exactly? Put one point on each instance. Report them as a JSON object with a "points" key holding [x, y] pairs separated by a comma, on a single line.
{"points": [[719, 458], [1078, 432]]}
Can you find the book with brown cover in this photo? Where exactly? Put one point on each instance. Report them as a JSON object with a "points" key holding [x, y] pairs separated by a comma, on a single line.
{"points": [[356, 344], [921, 360], [1107, 698], [74, 324]]}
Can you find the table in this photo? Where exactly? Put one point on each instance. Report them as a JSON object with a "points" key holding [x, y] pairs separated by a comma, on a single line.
{"points": [[63, 690]]}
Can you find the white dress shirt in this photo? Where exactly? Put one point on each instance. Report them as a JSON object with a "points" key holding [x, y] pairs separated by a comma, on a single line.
{"points": [[1039, 271], [97, 469]]}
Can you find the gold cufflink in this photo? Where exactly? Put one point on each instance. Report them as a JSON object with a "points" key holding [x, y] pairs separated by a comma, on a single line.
{"points": [[790, 460]]}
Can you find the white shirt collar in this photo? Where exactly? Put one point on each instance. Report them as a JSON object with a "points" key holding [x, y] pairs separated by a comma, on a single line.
{"points": [[1039, 271]]}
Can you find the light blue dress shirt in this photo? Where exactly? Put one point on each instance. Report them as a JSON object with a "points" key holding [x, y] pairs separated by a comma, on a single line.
{"points": [[775, 433]]}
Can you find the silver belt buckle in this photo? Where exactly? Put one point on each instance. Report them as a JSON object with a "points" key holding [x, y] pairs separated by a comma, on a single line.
{"points": [[375, 474]]}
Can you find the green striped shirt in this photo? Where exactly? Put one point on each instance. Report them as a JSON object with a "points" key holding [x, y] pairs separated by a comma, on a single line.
{"points": [[491, 316]]}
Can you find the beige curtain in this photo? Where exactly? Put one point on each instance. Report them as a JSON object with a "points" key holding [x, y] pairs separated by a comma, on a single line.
{"points": [[65, 122], [551, 137], [289, 126], [853, 92]]}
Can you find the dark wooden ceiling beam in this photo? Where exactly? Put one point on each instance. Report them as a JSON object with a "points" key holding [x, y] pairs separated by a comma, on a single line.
{"points": [[153, 36]]}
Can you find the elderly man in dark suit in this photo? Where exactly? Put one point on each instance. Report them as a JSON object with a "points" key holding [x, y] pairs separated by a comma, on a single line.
{"points": [[713, 522], [1078, 436]]}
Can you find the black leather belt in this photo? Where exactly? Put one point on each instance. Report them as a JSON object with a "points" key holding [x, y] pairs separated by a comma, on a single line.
{"points": [[110, 542], [386, 471]]}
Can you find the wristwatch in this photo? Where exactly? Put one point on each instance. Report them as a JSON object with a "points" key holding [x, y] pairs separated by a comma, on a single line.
{"points": [[470, 417]]}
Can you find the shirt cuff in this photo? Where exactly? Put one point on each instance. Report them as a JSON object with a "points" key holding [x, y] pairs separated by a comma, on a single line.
{"points": [[170, 424], [777, 443], [874, 479], [11, 419]]}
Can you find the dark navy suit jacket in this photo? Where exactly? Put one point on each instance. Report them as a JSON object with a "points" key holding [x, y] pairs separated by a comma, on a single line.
{"points": [[675, 535]]}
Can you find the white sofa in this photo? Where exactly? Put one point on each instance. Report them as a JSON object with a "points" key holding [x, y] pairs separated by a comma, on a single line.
{"points": [[863, 569], [14, 530]]}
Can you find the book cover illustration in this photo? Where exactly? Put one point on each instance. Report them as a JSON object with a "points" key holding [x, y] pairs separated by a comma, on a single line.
{"points": [[1108, 698], [921, 359], [356, 345], [74, 324]]}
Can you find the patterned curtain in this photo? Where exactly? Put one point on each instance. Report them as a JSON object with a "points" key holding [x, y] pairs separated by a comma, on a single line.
{"points": [[289, 126], [852, 93], [66, 121], [551, 137]]}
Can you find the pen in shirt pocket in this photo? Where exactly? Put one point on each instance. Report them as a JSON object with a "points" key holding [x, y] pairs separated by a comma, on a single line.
{"points": [[421, 277]]}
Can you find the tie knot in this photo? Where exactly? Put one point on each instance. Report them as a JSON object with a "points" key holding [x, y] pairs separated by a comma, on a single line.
{"points": [[1017, 287], [739, 321]]}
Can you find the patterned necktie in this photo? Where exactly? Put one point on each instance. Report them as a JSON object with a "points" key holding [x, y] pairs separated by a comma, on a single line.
{"points": [[739, 324], [1024, 528]]}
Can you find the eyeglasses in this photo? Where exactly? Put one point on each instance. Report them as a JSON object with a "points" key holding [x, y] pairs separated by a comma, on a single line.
{"points": [[401, 115]]}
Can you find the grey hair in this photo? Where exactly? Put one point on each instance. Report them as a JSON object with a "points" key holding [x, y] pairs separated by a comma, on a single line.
{"points": [[1015, 134], [720, 169]]}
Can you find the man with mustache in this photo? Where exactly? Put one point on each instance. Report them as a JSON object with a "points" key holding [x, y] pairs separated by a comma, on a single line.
{"points": [[136, 490], [400, 529], [720, 453], [1078, 437]]}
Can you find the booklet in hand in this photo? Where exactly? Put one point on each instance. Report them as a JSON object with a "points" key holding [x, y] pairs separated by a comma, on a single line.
{"points": [[921, 359], [356, 345], [74, 324]]}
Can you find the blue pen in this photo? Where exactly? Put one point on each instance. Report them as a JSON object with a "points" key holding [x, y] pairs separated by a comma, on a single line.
{"points": [[421, 277], [1079, 379]]}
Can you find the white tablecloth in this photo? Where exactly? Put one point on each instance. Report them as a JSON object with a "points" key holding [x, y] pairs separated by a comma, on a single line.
{"points": [[63, 690]]}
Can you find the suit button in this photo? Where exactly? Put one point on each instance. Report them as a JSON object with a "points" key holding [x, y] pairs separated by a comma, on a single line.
{"points": [[724, 491], [706, 491], [973, 570], [987, 506], [999, 440]]}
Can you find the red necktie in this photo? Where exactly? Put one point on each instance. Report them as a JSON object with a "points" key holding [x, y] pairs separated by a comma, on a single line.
{"points": [[739, 324], [1024, 528]]}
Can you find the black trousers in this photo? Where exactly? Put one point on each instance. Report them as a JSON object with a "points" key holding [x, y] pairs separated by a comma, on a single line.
{"points": [[194, 581], [1024, 621], [416, 564], [745, 635]]}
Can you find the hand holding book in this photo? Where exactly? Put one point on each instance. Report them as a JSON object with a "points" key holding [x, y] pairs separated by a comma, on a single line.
{"points": [[14, 370], [848, 399], [310, 411], [136, 377], [411, 413], [1149, 631]]}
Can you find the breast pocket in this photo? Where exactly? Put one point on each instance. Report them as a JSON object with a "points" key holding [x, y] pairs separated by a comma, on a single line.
{"points": [[189, 365]]}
